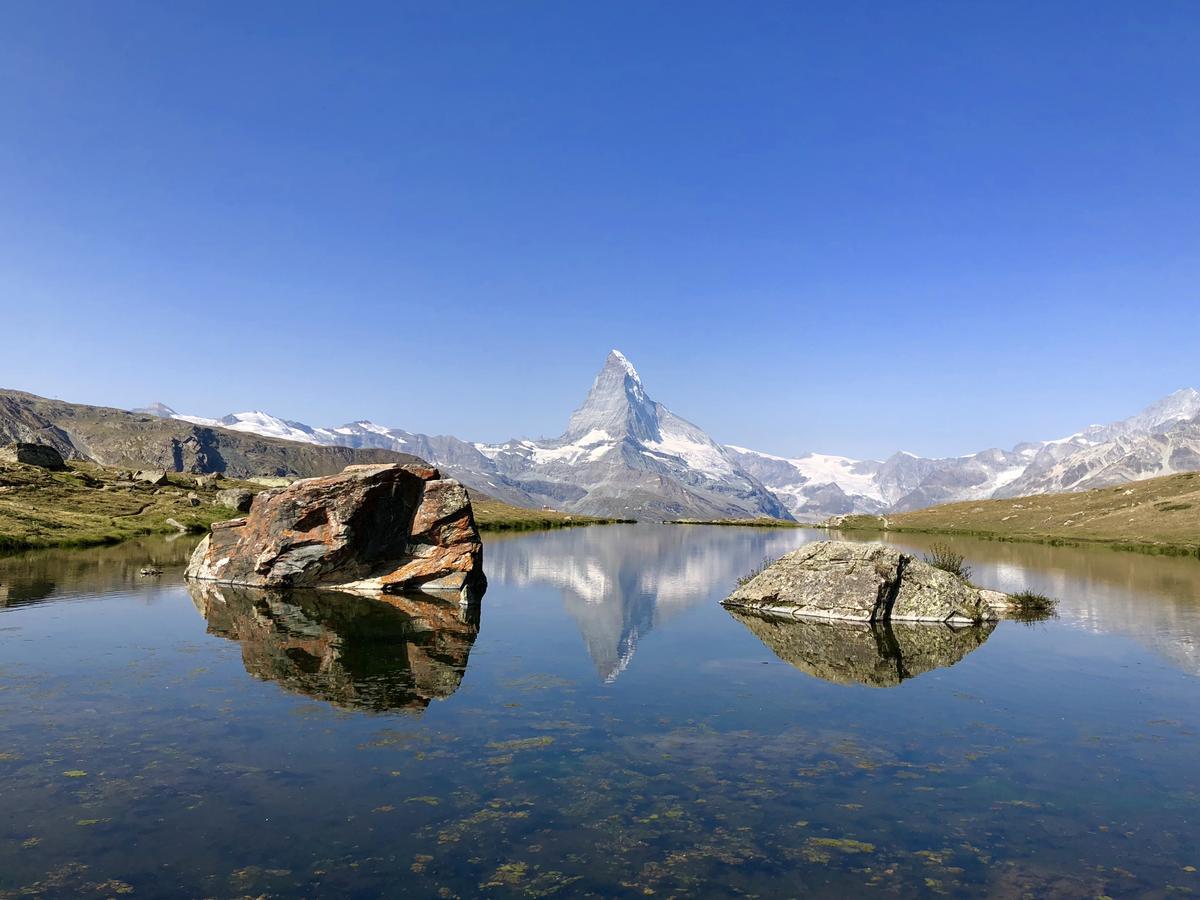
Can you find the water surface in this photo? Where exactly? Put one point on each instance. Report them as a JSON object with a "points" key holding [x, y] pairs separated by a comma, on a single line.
{"points": [[598, 726]]}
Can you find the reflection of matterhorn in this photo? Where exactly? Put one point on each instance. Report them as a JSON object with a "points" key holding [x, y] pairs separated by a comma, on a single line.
{"points": [[621, 582]]}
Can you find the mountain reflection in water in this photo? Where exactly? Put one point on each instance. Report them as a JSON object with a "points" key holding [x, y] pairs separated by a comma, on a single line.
{"points": [[877, 654], [376, 654], [619, 582]]}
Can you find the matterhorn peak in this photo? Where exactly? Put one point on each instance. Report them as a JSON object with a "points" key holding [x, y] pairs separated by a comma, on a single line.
{"points": [[617, 404], [618, 359]]}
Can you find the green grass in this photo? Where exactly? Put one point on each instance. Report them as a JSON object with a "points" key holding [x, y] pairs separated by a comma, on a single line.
{"points": [[1159, 516], [88, 505], [495, 515], [741, 523]]}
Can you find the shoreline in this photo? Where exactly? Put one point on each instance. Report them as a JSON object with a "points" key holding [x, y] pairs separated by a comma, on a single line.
{"points": [[1146, 548]]}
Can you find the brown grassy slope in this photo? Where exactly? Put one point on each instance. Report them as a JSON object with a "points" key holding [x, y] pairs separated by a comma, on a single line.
{"points": [[1156, 515]]}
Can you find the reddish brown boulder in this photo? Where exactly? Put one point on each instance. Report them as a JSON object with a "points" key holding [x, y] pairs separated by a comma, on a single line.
{"points": [[378, 528]]}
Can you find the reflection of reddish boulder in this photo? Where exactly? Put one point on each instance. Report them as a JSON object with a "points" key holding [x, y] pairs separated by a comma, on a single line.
{"points": [[383, 528], [372, 653]]}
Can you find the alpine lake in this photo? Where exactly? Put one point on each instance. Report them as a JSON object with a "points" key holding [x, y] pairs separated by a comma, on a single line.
{"points": [[597, 726]]}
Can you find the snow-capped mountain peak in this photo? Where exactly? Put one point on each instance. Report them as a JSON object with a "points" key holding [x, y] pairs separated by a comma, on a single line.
{"points": [[617, 356], [617, 405], [156, 409]]}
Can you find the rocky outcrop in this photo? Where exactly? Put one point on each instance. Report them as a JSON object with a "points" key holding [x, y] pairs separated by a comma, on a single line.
{"points": [[386, 529], [238, 499], [876, 654], [863, 583], [43, 456], [366, 653]]}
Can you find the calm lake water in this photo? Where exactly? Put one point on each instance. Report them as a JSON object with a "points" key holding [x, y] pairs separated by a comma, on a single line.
{"points": [[601, 727]]}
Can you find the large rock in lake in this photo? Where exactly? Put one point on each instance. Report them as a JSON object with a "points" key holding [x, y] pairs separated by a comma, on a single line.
{"points": [[863, 583], [376, 528]]}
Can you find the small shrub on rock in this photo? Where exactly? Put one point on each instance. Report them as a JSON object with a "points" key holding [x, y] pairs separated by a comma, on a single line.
{"points": [[943, 557], [757, 570]]}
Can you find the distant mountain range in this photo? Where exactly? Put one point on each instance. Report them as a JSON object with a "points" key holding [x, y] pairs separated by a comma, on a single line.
{"points": [[116, 437], [624, 454], [1162, 439]]}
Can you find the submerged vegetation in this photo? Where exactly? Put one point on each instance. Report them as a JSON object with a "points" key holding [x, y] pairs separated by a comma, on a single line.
{"points": [[942, 556]]}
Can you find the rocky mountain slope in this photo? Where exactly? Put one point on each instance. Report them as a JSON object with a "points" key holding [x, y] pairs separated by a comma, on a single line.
{"points": [[623, 454], [114, 437]]}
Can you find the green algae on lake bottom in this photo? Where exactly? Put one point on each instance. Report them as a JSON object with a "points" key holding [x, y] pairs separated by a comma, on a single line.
{"points": [[612, 732]]}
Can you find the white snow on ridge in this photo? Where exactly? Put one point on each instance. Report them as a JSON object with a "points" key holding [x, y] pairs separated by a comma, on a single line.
{"points": [[822, 468], [198, 420], [699, 455]]}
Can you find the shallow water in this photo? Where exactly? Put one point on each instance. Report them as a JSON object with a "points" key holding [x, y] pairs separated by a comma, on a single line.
{"points": [[602, 727]]}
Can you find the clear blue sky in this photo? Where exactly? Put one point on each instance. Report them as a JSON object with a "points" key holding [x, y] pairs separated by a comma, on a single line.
{"points": [[844, 227]]}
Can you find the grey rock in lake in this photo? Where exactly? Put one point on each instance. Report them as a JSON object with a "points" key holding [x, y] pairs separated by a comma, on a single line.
{"points": [[41, 455], [863, 583], [876, 654]]}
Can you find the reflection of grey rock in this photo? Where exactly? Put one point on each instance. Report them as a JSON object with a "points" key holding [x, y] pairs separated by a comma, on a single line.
{"points": [[863, 583], [388, 653], [879, 654]]}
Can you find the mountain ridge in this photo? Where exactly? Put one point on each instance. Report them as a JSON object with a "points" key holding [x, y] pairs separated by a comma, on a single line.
{"points": [[624, 454]]}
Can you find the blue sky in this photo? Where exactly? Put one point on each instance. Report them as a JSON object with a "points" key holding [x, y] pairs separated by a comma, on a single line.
{"points": [[845, 227]]}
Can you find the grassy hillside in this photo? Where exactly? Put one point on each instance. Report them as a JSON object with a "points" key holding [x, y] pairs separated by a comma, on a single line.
{"points": [[495, 515], [88, 505], [1159, 515]]}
